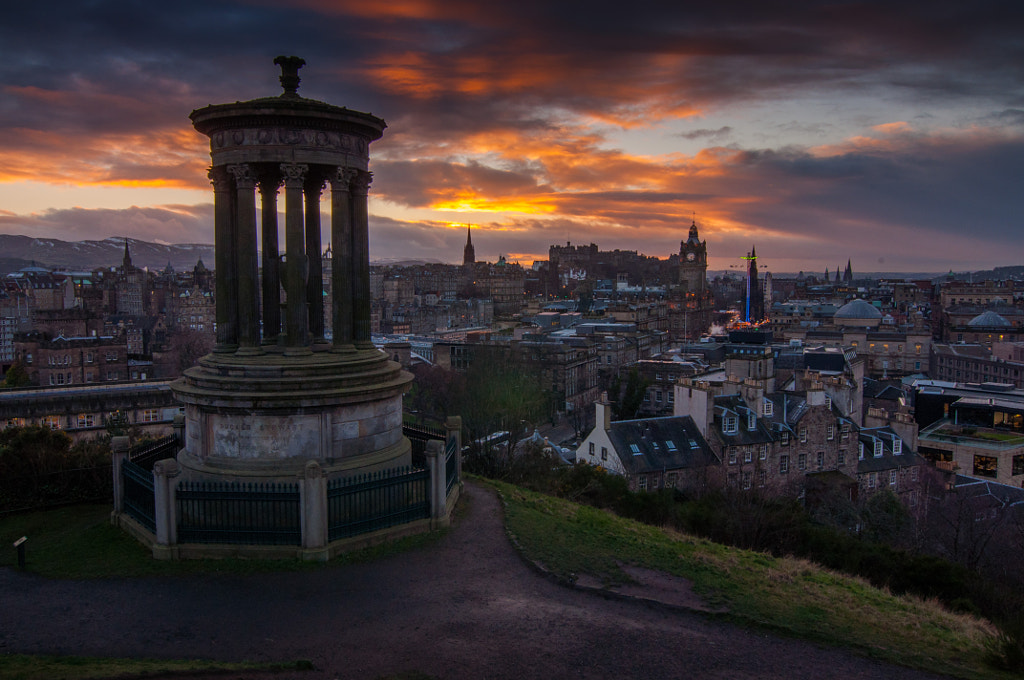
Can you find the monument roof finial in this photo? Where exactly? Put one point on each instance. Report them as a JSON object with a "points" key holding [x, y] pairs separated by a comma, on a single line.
{"points": [[290, 74]]}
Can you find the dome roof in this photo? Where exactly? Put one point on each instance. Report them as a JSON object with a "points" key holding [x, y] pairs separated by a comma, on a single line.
{"points": [[989, 319], [858, 309]]}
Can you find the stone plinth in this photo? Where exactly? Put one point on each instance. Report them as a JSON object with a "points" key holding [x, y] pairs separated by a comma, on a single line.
{"points": [[267, 416]]}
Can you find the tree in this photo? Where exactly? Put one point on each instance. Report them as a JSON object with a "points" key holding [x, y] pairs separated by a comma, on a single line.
{"points": [[188, 346], [17, 376], [627, 404]]}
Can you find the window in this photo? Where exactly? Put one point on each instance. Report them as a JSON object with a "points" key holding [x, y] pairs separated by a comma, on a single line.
{"points": [[15, 422], [784, 464], [592, 448], [821, 460], [657, 396], [844, 432], [860, 452], [1017, 465], [785, 438], [828, 402], [150, 415], [841, 458], [28, 358], [730, 424], [732, 455], [748, 454], [604, 453], [892, 478], [762, 477], [671, 397], [86, 420], [830, 432], [803, 435], [643, 482], [913, 474], [985, 466], [763, 452], [872, 480], [769, 408], [52, 422], [878, 448], [670, 445], [746, 480], [751, 421], [897, 446], [801, 462]]}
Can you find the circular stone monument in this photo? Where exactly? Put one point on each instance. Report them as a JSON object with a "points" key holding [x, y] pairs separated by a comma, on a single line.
{"points": [[278, 391]]}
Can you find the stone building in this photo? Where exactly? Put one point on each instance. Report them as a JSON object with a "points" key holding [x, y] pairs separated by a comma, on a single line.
{"points": [[60, 361]]}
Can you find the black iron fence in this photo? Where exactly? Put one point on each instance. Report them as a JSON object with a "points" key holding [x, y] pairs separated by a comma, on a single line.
{"points": [[139, 498], [147, 453], [238, 513], [418, 436], [451, 464], [365, 503]]}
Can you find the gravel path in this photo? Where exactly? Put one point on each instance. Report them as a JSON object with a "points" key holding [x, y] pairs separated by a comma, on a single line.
{"points": [[464, 607]]}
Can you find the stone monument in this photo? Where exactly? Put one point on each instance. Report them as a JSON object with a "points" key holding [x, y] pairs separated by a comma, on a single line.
{"points": [[279, 391]]}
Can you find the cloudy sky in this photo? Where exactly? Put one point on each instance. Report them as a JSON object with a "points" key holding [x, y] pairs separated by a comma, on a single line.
{"points": [[889, 133]]}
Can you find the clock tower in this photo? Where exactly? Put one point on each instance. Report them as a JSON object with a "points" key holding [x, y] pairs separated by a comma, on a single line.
{"points": [[693, 263]]}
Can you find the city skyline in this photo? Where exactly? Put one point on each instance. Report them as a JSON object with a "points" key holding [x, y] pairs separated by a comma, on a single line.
{"points": [[888, 134]]}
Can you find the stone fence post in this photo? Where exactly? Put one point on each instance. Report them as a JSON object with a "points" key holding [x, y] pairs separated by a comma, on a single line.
{"points": [[435, 463], [313, 508], [165, 474], [119, 453]]}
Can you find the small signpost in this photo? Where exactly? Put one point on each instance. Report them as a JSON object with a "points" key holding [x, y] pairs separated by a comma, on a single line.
{"points": [[20, 546]]}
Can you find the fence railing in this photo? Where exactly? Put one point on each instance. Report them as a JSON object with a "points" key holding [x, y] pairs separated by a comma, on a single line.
{"points": [[238, 513], [365, 503], [451, 465], [139, 497], [144, 455]]}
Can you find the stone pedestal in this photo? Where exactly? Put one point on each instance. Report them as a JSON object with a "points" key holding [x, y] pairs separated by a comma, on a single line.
{"points": [[264, 418]]}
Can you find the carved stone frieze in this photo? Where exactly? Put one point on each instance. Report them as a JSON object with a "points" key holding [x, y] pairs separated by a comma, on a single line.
{"points": [[328, 140]]}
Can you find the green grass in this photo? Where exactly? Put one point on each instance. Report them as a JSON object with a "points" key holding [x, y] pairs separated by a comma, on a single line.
{"points": [[27, 667], [78, 542], [789, 595]]}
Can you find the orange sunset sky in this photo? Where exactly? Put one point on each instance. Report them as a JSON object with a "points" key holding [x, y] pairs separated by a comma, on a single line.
{"points": [[890, 134]]}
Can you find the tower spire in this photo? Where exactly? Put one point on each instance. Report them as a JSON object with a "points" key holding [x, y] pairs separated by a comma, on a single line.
{"points": [[469, 253]]}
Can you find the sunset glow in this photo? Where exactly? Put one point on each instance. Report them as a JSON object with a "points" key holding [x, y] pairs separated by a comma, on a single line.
{"points": [[538, 124]]}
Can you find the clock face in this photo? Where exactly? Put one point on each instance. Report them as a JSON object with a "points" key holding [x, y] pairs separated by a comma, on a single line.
{"points": [[691, 256]]}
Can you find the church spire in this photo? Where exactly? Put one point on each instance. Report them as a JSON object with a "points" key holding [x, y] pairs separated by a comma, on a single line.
{"points": [[469, 253], [127, 262]]}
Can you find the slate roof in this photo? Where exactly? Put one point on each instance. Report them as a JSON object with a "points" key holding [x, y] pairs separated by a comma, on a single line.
{"points": [[886, 461], [734, 405], [657, 444]]}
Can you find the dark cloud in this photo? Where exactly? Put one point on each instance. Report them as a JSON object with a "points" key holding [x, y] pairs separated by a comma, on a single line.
{"points": [[707, 134]]}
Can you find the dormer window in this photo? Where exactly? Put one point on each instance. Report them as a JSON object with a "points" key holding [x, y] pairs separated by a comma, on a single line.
{"points": [[878, 448], [769, 408], [860, 451], [751, 421], [730, 424], [828, 401], [897, 446]]}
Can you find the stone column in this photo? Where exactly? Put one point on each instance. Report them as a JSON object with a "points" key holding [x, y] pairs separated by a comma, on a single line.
{"points": [[296, 307], [245, 257], [270, 180], [435, 463], [313, 492], [361, 260], [224, 254], [314, 280], [119, 452], [341, 267], [165, 474]]}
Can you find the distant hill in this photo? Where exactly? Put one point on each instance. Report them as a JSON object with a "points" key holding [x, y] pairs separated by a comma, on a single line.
{"points": [[21, 251]]}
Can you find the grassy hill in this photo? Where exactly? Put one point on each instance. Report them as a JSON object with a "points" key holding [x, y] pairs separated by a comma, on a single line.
{"points": [[787, 595]]}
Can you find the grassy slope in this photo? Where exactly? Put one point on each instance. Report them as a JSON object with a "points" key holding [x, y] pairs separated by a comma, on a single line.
{"points": [[789, 595]]}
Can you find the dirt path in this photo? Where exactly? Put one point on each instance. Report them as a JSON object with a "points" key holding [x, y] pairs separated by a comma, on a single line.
{"points": [[465, 607]]}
